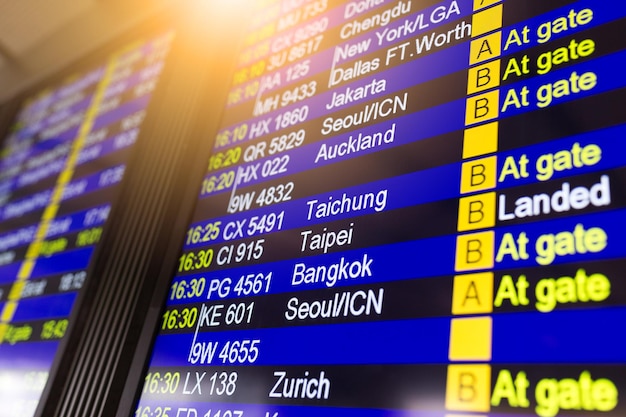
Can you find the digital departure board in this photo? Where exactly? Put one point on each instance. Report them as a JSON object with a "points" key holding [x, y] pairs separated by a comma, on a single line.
{"points": [[60, 169], [412, 208]]}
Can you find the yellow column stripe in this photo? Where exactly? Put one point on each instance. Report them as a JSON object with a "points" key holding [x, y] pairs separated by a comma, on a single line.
{"points": [[468, 387]]}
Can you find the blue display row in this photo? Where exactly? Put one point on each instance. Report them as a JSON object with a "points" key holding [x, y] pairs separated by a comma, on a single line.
{"points": [[576, 336], [76, 188], [27, 356], [320, 62], [189, 408], [74, 222], [429, 185], [458, 59], [597, 236], [74, 260], [47, 307]]}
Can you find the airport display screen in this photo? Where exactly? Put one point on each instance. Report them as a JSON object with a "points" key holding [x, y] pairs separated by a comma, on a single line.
{"points": [[60, 169], [412, 208]]}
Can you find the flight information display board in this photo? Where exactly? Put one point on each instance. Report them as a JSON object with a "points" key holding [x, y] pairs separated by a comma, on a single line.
{"points": [[60, 170], [412, 208]]}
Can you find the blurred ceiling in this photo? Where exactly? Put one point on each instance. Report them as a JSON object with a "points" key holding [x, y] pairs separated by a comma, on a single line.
{"points": [[39, 37]]}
